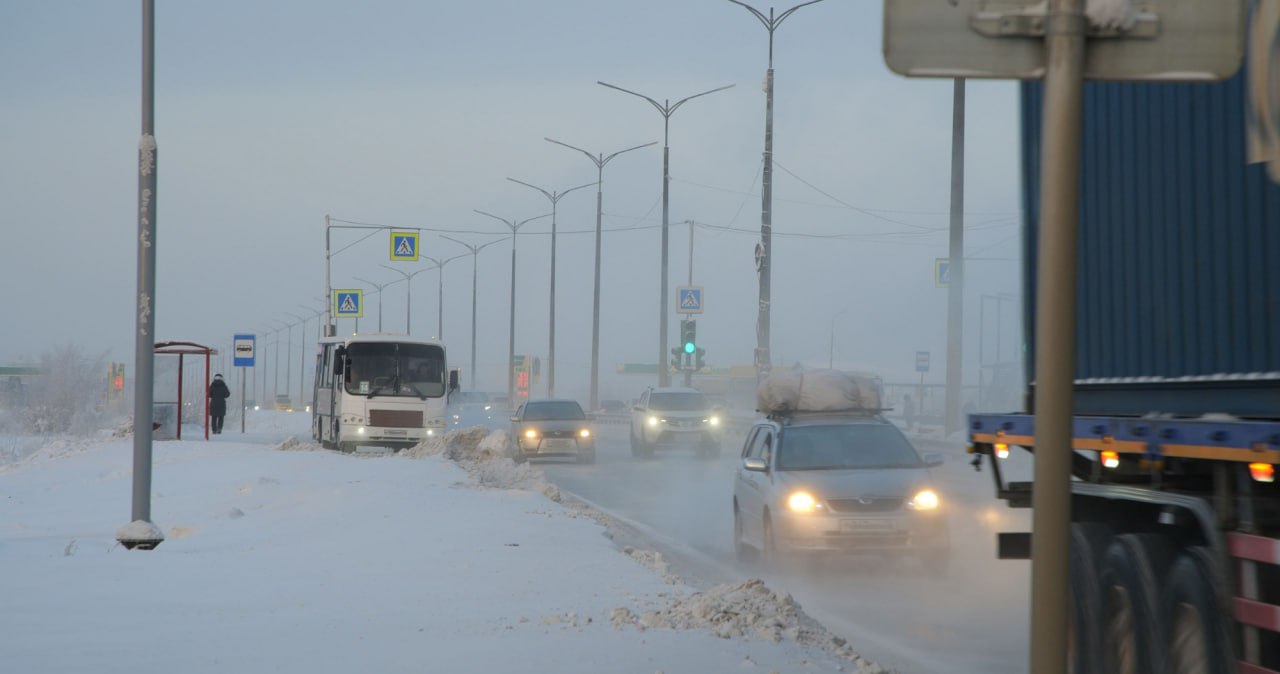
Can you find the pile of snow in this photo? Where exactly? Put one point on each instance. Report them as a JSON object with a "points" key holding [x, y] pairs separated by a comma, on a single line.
{"points": [[746, 610], [817, 391], [486, 456]]}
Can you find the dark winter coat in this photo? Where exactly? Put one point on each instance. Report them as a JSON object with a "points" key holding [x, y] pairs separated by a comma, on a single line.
{"points": [[218, 394]]}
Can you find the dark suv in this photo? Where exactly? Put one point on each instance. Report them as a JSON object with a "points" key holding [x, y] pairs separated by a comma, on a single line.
{"points": [[675, 417]]}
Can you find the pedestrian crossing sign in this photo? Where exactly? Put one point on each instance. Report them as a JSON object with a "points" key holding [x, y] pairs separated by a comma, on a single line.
{"points": [[404, 246], [689, 300], [348, 303]]}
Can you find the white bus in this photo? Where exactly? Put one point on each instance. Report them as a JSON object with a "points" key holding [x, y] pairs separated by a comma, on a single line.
{"points": [[379, 390]]}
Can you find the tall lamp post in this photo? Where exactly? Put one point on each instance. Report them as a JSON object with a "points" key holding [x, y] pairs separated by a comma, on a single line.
{"points": [[379, 286], [475, 252], [440, 292], [302, 355], [511, 330], [554, 197], [408, 296], [765, 258], [275, 386], [599, 160], [666, 109]]}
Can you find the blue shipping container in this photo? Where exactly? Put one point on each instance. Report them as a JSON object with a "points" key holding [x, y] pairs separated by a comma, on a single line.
{"points": [[1179, 252]]}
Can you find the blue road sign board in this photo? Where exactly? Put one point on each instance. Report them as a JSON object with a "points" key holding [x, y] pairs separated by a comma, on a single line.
{"points": [[942, 272], [243, 345], [348, 303], [689, 300], [404, 246], [922, 361]]}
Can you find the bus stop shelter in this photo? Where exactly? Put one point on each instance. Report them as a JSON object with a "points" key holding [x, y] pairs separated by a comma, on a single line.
{"points": [[182, 350]]}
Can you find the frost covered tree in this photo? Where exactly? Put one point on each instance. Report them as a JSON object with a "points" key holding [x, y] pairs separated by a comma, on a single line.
{"points": [[66, 396]]}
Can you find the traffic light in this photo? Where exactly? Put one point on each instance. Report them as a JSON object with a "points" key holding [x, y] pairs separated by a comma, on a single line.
{"points": [[677, 358], [689, 335], [700, 363]]}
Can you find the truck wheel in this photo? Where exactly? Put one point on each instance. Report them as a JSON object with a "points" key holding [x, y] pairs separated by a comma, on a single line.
{"points": [[1133, 625], [1198, 639], [1089, 540]]}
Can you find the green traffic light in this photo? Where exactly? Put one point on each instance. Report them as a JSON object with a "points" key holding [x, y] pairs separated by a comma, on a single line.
{"points": [[690, 347]]}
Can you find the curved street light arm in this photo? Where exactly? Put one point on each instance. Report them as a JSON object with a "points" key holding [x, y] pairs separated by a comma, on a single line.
{"points": [[661, 108], [690, 98]]}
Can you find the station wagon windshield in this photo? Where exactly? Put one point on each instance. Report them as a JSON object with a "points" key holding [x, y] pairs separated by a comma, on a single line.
{"points": [[543, 411], [845, 446]]}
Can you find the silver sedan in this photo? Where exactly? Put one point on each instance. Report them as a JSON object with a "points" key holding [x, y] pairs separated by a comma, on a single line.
{"points": [[557, 427]]}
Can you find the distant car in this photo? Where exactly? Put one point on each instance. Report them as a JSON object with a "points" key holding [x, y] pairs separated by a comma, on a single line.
{"points": [[556, 427], [837, 483], [468, 415], [675, 417], [283, 403], [613, 407]]}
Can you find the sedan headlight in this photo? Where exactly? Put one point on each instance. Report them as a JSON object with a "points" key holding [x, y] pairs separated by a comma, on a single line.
{"points": [[925, 499], [653, 421], [584, 433], [714, 421], [531, 434], [802, 502]]}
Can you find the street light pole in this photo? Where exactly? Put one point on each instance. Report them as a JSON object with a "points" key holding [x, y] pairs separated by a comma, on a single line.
{"points": [[379, 286], [302, 355], [666, 109], [408, 296], [765, 259], [440, 293], [475, 252], [599, 160], [554, 197], [511, 330]]}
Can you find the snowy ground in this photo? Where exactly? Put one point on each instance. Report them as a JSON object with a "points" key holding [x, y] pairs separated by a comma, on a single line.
{"points": [[280, 556]]}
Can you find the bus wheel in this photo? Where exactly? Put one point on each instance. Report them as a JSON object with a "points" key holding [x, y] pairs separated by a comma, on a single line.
{"points": [[1198, 639], [1088, 543], [1133, 625]]}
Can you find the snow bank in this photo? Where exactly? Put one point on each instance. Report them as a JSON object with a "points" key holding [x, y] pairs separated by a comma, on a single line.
{"points": [[748, 610]]}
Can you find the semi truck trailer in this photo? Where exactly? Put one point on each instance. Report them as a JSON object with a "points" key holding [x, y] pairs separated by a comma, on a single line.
{"points": [[1175, 535]]}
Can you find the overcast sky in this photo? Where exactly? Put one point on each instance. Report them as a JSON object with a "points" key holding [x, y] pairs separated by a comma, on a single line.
{"points": [[272, 115]]}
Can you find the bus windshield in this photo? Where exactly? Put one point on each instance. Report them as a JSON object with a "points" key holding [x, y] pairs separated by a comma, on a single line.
{"points": [[391, 369]]}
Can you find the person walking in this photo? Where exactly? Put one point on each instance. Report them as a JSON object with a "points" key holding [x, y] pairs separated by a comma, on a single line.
{"points": [[218, 394]]}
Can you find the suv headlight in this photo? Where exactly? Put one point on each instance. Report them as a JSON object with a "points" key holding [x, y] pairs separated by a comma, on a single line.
{"points": [[714, 421], [653, 421], [925, 499]]}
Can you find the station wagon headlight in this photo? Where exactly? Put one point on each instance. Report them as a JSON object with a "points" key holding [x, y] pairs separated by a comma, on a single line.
{"points": [[802, 502], [714, 421], [653, 421], [531, 434], [584, 433], [925, 499]]}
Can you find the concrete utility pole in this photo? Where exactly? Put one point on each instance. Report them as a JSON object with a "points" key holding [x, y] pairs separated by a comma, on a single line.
{"points": [[475, 252], [955, 280], [666, 109], [764, 257], [554, 197], [599, 160]]}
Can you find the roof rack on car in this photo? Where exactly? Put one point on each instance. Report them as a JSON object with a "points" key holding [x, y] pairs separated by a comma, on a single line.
{"points": [[785, 416]]}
